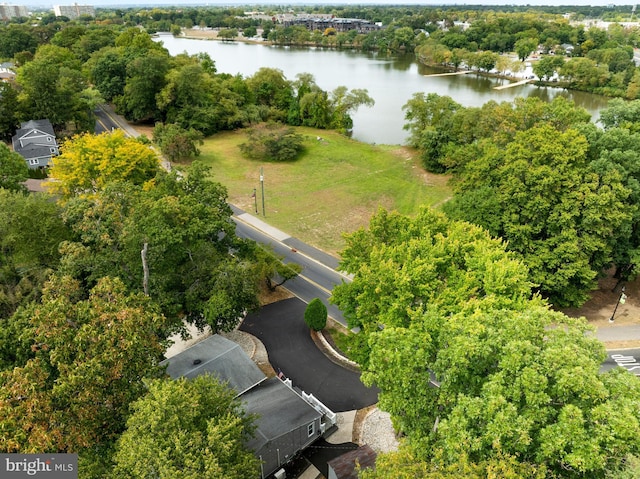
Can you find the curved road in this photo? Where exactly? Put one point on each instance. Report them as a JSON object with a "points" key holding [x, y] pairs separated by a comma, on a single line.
{"points": [[281, 327]]}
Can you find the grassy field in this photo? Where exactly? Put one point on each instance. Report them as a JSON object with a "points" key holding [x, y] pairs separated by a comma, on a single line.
{"points": [[335, 186]]}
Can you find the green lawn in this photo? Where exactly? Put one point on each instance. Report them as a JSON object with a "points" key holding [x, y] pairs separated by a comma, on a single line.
{"points": [[334, 187]]}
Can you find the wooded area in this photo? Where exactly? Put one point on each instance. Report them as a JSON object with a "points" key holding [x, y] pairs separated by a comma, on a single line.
{"points": [[481, 376]]}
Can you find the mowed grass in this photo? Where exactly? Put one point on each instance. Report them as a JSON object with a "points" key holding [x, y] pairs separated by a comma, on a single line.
{"points": [[333, 188]]}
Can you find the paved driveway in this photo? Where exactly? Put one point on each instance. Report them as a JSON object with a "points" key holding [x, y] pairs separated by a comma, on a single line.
{"points": [[281, 327]]}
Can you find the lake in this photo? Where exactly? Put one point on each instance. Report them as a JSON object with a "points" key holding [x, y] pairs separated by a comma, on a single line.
{"points": [[391, 80]]}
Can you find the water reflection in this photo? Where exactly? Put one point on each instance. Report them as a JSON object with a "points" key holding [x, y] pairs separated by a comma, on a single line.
{"points": [[390, 79]]}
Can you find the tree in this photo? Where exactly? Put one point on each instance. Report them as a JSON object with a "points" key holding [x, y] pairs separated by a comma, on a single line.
{"points": [[15, 39], [525, 47], [196, 271], [88, 162], [547, 66], [271, 90], [51, 86], [176, 143], [272, 142], [186, 429], [27, 220], [403, 266], [9, 111], [475, 372], [485, 60], [429, 121], [228, 34], [145, 79], [344, 102], [315, 315], [13, 170], [553, 208], [91, 356], [108, 71]]}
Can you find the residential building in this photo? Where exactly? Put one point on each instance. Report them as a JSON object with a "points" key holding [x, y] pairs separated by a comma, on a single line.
{"points": [[323, 21], [74, 11], [7, 73], [36, 141], [8, 12], [288, 420]]}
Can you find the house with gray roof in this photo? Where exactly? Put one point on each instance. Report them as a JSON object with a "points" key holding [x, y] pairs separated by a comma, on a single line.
{"points": [[36, 142], [288, 420]]}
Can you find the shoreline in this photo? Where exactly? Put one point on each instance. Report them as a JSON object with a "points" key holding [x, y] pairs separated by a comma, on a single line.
{"points": [[209, 35]]}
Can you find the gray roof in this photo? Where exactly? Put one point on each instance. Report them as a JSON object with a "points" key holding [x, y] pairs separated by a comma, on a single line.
{"points": [[42, 125], [269, 401], [34, 151], [220, 357]]}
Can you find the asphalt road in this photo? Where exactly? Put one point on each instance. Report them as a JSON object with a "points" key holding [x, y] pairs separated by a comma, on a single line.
{"points": [[629, 359], [318, 276], [281, 327], [104, 122]]}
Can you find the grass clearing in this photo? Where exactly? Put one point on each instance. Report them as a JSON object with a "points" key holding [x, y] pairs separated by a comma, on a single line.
{"points": [[334, 187]]}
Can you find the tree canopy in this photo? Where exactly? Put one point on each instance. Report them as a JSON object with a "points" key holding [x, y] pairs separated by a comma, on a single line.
{"points": [[13, 170], [183, 428], [89, 359], [552, 206], [89, 162], [185, 223], [475, 371]]}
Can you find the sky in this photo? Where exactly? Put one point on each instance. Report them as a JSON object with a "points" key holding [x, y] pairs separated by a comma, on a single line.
{"points": [[111, 3]]}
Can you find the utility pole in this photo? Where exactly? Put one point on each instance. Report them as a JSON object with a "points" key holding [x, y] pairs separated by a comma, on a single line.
{"points": [[262, 188]]}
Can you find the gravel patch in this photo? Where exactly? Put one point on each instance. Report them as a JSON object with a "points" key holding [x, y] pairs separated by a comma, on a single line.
{"points": [[377, 432]]}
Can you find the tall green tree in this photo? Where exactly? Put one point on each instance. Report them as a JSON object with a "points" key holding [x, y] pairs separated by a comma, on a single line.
{"points": [[13, 170], [145, 79], [478, 375], [51, 85], [552, 206], [91, 356], [188, 265], [25, 221], [403, 266], [186, 429], [272, 91], [9, 111]]}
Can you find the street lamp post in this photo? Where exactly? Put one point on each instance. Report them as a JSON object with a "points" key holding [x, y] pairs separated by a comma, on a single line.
{"points": [[621, 300]]}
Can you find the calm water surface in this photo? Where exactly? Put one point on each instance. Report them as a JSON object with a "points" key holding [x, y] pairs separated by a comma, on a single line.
{"points": [[390, 80]]}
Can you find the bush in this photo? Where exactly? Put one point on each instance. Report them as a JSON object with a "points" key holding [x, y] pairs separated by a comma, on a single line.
{"points": [[272, 142], [316, 315]]}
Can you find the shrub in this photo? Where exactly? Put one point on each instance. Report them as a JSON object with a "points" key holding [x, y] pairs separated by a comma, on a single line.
{"points": [[272, 142], [316, 315]]}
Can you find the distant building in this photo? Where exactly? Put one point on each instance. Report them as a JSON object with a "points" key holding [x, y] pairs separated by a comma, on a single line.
{"points": [[36, 142], [74, 11], [11, 11], [322, 21]]}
